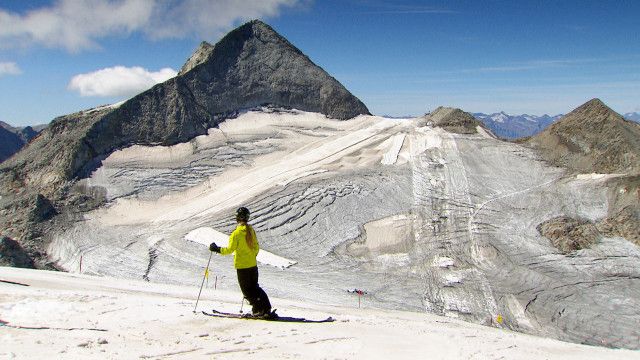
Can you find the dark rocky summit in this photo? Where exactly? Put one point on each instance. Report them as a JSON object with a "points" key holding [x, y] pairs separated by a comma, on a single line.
{"points": [[251, 66]]}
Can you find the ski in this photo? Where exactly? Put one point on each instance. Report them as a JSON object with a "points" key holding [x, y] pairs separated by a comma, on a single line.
{"points": [[221, 314]]}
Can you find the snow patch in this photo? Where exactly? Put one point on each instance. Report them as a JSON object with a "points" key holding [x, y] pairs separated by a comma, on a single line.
{"points": [[443, 262], [452, 279], [111, 106], [595, 176], [501, 117], [484, 133], [391, 156]]}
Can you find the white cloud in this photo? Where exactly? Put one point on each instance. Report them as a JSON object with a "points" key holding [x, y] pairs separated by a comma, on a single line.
{"points": [[118, 81], [9, 68], [78, 25], [74, 25]]}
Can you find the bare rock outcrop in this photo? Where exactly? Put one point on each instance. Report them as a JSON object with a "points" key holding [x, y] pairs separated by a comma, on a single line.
{"points": [[568, 234], [454, 120], [12, 254], [200, 56], [625, 223]]}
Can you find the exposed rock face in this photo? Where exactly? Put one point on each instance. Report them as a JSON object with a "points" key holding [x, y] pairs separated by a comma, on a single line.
{"points": [[454, 120], [42, 210], [624, 223], [199, 56], [254, 65], [592, 138], [12, 254], [49, 161], [568, 234]]}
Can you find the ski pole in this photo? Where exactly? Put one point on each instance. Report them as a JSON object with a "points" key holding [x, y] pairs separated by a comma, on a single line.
{"points": [[203, 277], [242, 305]]}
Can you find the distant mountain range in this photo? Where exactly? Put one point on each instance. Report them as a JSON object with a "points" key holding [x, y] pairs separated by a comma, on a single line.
{"points": [[515, 126], [633, 116], [12, 139]]}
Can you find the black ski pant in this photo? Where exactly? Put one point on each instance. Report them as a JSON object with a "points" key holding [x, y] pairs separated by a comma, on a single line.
{"points": [[248, 280]]}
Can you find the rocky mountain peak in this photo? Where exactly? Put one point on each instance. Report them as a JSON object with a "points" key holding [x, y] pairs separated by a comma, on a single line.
{"points": [[594, 103], [592, 138], [593, 111], [252, 66], [198, 57], [592, 116]]}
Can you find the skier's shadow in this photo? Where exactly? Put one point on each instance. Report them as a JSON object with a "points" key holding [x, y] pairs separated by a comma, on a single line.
{"points": [[301, 320]]}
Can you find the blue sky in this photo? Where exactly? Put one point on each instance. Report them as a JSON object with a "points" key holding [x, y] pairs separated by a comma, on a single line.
{"points": [[398, 57]]}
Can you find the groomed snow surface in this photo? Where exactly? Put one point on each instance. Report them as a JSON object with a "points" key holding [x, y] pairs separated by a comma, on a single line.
{"points": [[53, 315]]}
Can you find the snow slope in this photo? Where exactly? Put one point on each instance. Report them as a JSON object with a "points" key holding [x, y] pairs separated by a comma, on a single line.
{"points": [[421, 219], [69, 316], [207, 235]]}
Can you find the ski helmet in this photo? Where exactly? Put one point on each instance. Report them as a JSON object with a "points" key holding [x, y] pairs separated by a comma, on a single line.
{"points": [[242, 214]]}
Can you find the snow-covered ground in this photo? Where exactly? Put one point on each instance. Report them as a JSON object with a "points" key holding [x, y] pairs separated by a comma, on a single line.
{"points": [[57, 315], [421, 219]]}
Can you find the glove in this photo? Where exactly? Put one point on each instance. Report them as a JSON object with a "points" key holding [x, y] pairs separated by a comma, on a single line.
{"points": [[215, 248]]}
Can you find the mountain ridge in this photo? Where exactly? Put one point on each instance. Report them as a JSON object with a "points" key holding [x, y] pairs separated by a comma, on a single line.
{"points": [[12, 139], [633, 116], [515, 126], [251, 66]]}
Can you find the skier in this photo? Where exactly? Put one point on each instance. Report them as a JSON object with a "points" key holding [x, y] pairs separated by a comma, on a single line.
{"points": [[244, 243]]}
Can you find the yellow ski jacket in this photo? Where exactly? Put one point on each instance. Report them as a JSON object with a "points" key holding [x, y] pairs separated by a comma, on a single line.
{"points": [[244, 242]]}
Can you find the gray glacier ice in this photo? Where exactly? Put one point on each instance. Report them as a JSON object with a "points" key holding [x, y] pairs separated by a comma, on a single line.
{"points": [[420, 218]]}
